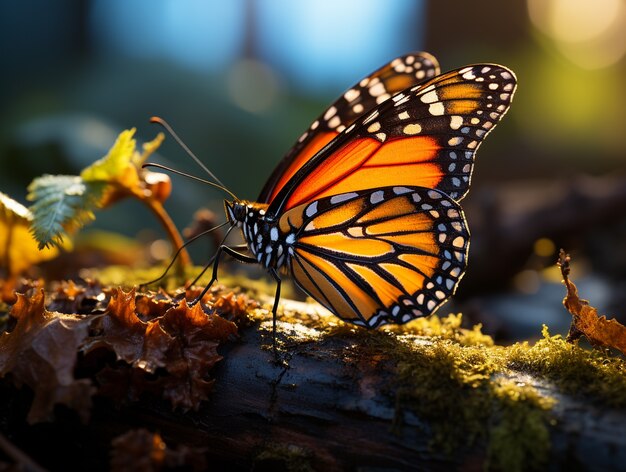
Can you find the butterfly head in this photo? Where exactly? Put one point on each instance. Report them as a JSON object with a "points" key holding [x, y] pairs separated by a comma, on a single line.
{"points": [[239, 212], [235, 212]]}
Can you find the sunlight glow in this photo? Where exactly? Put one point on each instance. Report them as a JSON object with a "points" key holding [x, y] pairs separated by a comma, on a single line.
{"points": [[591, 34]]}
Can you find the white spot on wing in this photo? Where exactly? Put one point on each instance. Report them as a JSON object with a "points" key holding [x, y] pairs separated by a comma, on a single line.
{"points": [[413, 128], [351, 94], [311, 209], [436, 109], [430, 97], [374, 127], [401, 190], [343, 197], [329, 113], [377, 197], [377, 89], [456, 121], [334, 122]]}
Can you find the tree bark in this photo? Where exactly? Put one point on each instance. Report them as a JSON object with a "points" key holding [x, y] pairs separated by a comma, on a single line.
{"points": [[327, 404]]}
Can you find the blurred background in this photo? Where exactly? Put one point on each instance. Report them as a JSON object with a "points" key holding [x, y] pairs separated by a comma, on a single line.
{"points": [[241, 80]]}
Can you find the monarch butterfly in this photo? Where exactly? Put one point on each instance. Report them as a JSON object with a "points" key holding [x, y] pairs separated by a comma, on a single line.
{"points": [[363, 210]]}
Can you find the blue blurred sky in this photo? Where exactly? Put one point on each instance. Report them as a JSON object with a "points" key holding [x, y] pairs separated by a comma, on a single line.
{"points": [[319, 44]]}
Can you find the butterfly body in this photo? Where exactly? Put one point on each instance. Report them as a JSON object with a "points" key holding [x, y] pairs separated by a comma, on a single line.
{"points": [[364, 211], [267, 243]]}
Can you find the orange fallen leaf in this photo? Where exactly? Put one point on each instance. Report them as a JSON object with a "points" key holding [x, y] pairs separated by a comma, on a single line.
{"points": [[585, 319], [140, 344]]}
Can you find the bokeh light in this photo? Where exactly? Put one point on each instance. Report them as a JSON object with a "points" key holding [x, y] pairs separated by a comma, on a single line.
{"points": [[589, 33]]}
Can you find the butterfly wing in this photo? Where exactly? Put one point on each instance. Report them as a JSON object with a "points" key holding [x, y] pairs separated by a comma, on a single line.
{"points": [[425, 136], [379, 256], [400, 74]]}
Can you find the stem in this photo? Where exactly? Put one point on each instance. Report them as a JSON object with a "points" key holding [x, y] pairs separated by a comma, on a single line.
{"points": [[164, 218]]}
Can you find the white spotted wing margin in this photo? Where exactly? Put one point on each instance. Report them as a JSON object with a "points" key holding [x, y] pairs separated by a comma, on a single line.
{"points": [[380, 256], [426, 135]]}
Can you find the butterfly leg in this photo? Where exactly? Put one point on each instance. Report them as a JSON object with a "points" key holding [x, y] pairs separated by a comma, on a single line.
{"points": [[278, 280], [216, 260], [176, 254], [210, 263]]}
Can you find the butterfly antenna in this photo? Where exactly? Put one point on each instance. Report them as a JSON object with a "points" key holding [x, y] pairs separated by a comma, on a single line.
{"points": [[168, 128], [189, 176]]}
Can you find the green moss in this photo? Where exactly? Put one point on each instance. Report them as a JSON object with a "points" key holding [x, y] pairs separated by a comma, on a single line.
{"points": [[519, 438], [128, 277], [444, 383], [456, 380], [593, 373], [449, 327]]}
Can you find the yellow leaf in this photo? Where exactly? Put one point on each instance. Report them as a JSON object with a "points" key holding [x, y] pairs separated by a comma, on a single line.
{"points": [[18, 247], [116, 166], [148, 149]]}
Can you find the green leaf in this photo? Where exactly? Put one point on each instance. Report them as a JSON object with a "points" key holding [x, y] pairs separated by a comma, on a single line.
{"points": [[115, 163], [62, 203]]}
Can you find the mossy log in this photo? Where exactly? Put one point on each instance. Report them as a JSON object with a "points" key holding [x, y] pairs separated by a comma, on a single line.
{"points": [[435, 397], [335, 403]]}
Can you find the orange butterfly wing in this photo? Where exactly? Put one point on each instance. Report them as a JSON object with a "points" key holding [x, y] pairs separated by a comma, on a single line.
{"points": [[400, 74], [425, 136], [385, 255]]}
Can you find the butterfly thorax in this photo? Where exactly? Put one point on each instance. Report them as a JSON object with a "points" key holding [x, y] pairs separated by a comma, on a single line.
{"points": [[267, 243]]}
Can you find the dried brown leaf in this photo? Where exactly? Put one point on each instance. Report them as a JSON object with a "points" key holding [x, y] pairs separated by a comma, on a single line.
{"points": [[178, 348], [197, 336], [70, 297], [585, 319], [41, 352], [140, 344], [154, 305]]}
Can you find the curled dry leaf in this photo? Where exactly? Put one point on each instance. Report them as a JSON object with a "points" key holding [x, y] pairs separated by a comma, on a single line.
{"points": [[133, 341], [196, 337], [178, 349], [70, 297], [40, 352], [153, 305], [169, 353], [585, 319]]}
